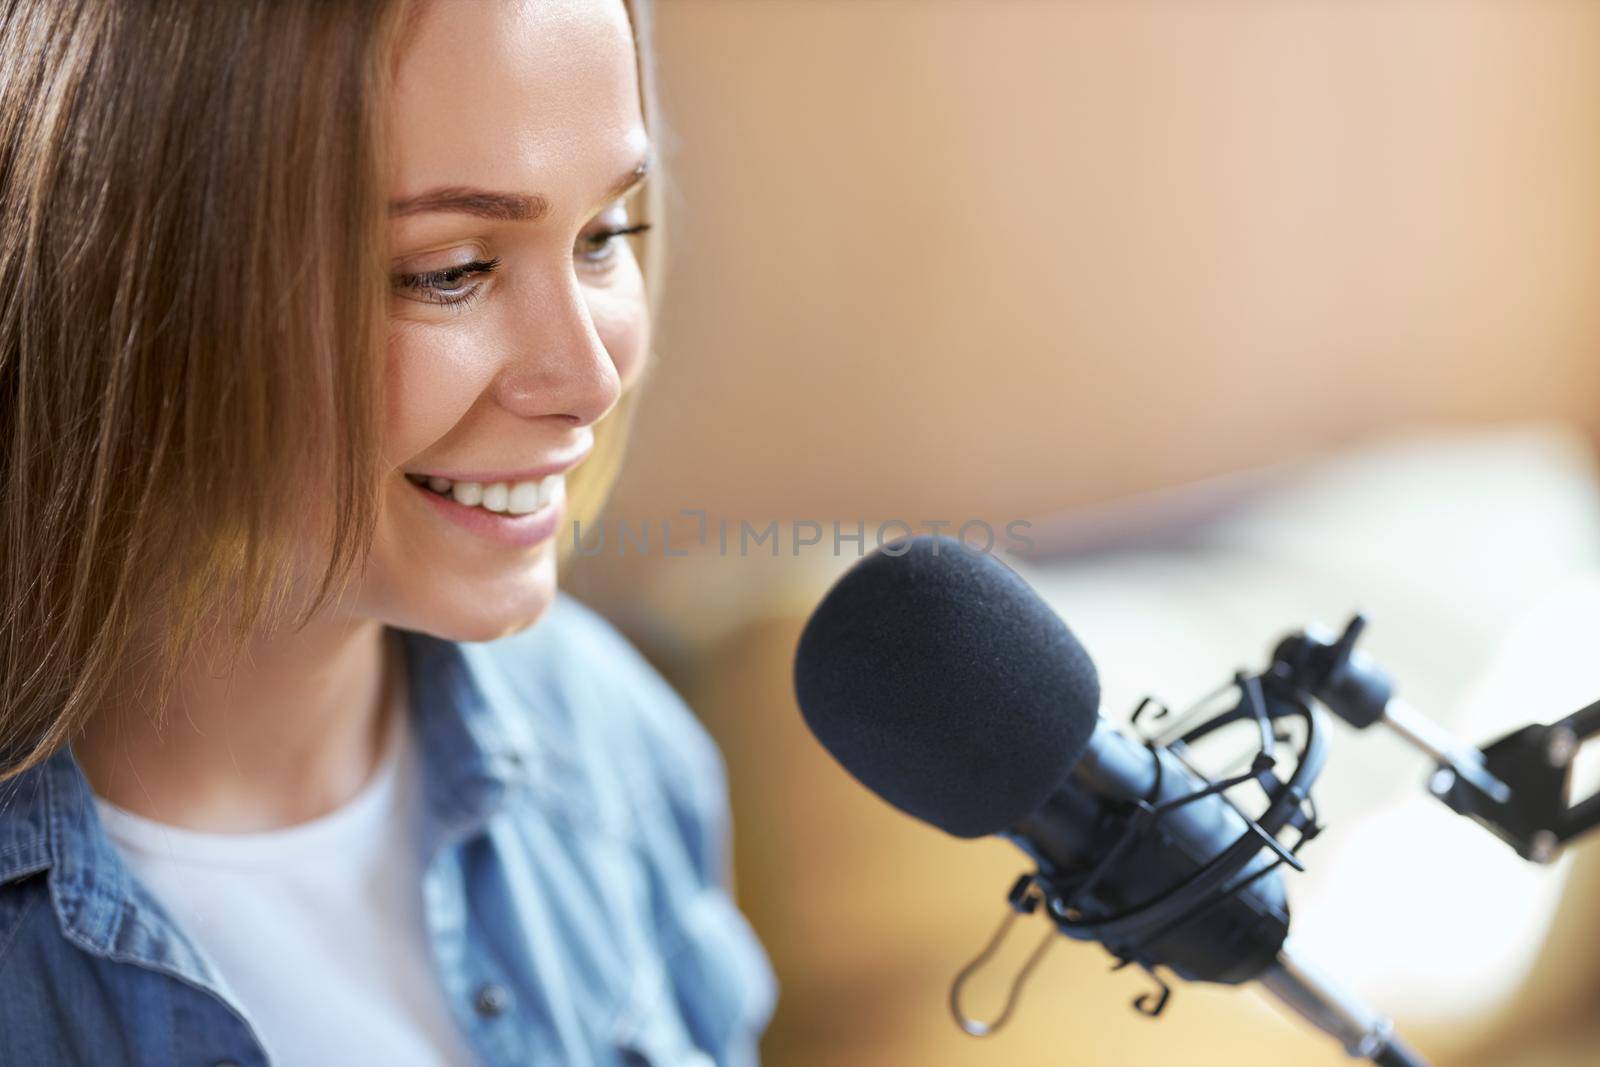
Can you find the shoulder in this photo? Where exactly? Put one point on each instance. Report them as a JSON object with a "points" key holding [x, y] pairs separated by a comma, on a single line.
{"points": [[574, 645], [26, 920], [41, 970], [581, 684]]}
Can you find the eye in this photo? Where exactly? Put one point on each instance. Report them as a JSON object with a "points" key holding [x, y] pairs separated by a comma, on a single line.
{"points": [[447, 285], [598, 247]]}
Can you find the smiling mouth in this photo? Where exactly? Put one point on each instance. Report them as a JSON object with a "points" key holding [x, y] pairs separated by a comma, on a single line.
{"points": [[507, 498]]}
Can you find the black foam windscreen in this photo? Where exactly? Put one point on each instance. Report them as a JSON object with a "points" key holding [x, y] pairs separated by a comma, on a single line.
{"points": [[938, 678]]}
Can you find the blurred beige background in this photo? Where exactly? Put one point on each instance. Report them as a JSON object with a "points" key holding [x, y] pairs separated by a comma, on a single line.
{"points": [[1069, 250], [1019, 258]]}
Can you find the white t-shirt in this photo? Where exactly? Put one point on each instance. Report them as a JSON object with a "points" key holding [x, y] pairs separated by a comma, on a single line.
{"points": [[317, 929]]}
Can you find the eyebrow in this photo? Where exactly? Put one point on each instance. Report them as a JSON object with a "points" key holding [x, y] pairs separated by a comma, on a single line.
{"points": [[501, 206]]}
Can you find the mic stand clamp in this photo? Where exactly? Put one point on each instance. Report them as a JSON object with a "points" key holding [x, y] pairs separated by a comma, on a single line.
{"points": [[1348, 683], [1517, 787], [1536, 763]]}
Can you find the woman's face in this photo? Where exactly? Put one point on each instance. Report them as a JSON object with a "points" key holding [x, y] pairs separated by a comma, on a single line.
{"points": [[518, 314]]}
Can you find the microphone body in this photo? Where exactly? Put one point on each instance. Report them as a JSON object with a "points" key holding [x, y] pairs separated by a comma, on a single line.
{"points": [[1115, 782]]}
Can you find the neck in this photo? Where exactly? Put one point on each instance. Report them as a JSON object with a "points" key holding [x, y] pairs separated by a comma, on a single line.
{"points": [[288, 732]]}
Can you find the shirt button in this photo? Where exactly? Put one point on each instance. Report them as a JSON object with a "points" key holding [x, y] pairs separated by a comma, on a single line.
{"points": [[491, 999]]}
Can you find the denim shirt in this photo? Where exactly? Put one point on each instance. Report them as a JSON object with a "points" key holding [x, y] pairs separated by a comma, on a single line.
{"points": [[574, 822]]}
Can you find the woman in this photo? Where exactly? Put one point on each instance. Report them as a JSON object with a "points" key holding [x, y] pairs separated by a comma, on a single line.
{"points": [[320, 323]]}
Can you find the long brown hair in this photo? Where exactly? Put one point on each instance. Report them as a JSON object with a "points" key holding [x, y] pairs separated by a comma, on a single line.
{"points": [[192, 329]]}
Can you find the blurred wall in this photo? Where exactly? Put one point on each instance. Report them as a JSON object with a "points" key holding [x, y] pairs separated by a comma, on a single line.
{"points": [[1005, 256]]}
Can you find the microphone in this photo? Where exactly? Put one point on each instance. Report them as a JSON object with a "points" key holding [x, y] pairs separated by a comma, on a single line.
{"points": [[937, 678]]}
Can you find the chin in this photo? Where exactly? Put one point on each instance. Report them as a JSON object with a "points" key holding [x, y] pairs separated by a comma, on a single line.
{"points": [[477, 611]]}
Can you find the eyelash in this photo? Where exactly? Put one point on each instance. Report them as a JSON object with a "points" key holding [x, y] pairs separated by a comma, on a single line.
{"points": [[604, 238], [428, 283]]}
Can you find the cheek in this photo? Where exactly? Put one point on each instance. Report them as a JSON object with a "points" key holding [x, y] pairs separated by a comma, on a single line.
{"points": [[621, 317], [432, 379]]}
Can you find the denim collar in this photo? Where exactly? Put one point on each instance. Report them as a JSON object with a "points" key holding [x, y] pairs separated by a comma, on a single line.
{"points": [[477, 742], [473, 749]]}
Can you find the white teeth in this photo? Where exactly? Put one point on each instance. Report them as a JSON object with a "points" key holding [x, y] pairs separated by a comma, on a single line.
{"points": [[494, 497], [515, 498], [523, 498]]}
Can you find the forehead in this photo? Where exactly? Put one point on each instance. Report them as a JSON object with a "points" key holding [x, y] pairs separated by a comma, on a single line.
{"points": [[526, 95]]}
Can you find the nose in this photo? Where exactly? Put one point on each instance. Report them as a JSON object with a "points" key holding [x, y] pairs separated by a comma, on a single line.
{"points": [[561, 369]]}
